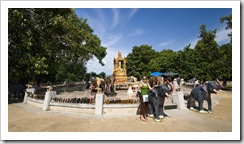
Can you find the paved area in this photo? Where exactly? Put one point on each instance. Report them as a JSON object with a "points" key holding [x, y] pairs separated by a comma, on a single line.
{"points": [[27, 118]]}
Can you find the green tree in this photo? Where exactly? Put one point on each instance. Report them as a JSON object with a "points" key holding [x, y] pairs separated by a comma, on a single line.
{"points": [[46, 42], [70, 72], [89, 76], [185, 62], [206, 53], [167, 60], [225, 62], [228, 20], [102, 75], [225, 58], [138, 59]]}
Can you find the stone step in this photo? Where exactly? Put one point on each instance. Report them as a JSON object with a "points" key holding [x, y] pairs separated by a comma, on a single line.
{"points": [[168, 104]]}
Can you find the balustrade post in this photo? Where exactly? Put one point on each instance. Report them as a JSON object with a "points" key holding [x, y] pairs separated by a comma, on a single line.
{"points": [[47, 99], [178, 99], [25, 98], [99, 104]]}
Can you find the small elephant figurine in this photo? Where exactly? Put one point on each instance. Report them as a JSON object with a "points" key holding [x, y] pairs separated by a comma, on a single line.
{"points": [[201, 93]]}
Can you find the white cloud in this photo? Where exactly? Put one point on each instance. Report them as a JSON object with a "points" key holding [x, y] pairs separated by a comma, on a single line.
{"points": [[136, 32], [165, 43], [93, 65], [116, 19], [99, 28], [110, 40], [130, 15], [119, 19], [222, 36], [102, 24], [193, 42], [132, 12]]}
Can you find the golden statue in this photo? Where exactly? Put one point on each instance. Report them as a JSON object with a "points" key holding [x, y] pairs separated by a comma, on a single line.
{"points": [[119, 71]]}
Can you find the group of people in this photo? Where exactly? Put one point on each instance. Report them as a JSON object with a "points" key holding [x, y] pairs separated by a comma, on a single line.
{"points": [[147, 85], [144, 87]]}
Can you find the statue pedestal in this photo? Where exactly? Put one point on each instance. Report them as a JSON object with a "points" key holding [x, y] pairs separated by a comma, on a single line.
{"points": [[120, 79], [178, 99]]}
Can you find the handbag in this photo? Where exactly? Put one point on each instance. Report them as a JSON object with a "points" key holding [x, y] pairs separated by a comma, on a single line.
{"points": [[145, 98]]}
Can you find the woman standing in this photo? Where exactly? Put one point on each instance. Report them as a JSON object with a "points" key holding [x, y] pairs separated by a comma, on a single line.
{"points": [[144, 87]]}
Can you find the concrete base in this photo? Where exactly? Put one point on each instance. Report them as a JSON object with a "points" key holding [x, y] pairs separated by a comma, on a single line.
{"points": [[178, 99], [99, 104]]}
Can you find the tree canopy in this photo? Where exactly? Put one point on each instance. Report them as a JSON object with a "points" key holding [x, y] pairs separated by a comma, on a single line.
{"points": [[137, 61], [50, 44]]}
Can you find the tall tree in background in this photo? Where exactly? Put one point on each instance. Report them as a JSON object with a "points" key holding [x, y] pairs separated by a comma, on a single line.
{"points": [[185, 62], [138, 60], [226, 52], [225, 62], [102, 75], [206, 53], [228, 20], [164, 61], [50, 43], [90, 76]]}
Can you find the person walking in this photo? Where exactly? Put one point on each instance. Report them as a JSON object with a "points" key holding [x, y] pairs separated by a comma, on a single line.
{"points": [[144, 87], [178, 81]]}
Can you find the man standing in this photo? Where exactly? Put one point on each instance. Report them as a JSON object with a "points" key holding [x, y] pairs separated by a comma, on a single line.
{"points": [[178, 81]]}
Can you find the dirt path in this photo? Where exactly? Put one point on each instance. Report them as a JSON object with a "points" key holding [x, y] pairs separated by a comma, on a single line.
{"points": [[26, 118]]}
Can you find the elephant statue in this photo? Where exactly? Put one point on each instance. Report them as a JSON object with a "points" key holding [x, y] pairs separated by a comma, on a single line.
{"points": [[201, 93], [16, 91], [156, 99], [109, 84], [97, 86]]}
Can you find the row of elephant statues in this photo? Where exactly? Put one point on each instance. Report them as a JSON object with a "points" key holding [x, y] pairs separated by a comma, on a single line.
{"points": [[102, 85], [156, 96]]}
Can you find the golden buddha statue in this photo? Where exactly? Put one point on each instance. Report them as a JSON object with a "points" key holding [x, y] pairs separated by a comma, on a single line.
{"points": [[119, 71]]}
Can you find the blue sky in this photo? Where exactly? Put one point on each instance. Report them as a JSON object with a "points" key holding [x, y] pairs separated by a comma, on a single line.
{"points": [[162, 28]]}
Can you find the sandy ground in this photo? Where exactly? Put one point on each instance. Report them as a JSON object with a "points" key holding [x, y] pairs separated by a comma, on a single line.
{"points": [[27, 118]]}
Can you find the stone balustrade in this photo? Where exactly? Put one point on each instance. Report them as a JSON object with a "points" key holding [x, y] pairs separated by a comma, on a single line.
{"points": [[99, 105]]}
